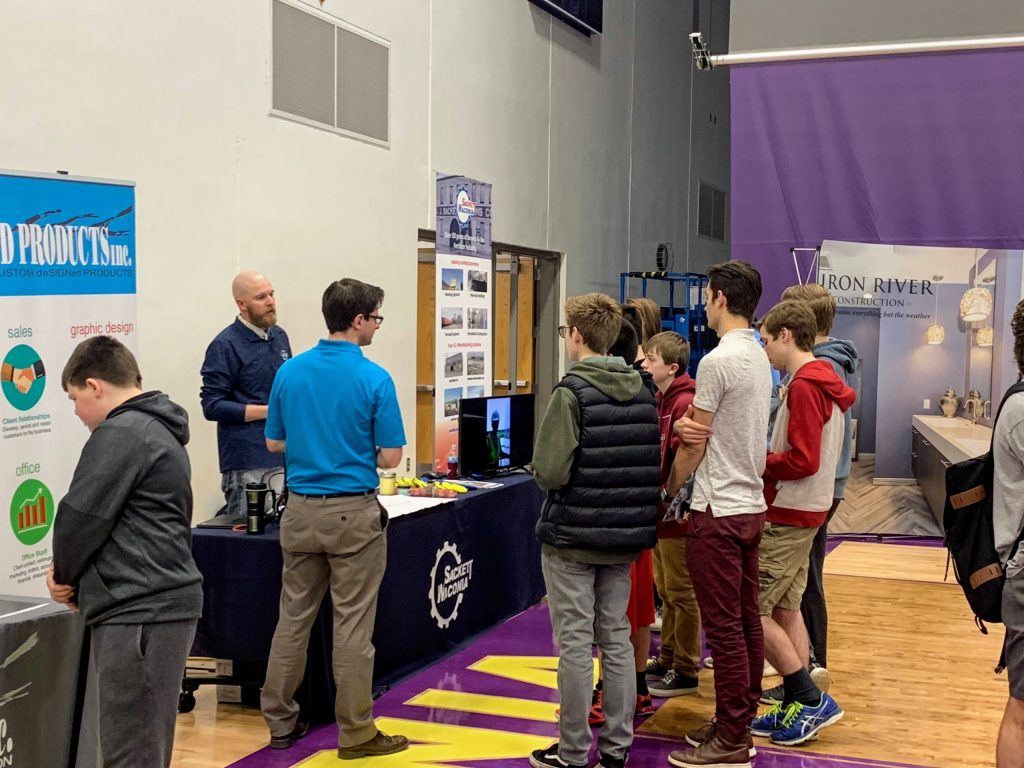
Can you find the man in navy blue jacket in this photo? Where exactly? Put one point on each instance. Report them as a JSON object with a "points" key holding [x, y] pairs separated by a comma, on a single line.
{"points": [[237, 375]]}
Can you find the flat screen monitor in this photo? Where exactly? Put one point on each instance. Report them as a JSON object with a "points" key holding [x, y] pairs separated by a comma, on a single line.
{"points": [[495, 433]]}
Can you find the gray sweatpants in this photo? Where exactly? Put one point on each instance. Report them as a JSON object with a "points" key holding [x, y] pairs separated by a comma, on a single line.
{"points": [[585, 600], [139, 669]]}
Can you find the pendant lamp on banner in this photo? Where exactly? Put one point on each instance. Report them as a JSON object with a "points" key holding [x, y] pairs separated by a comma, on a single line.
{"points": [[935, 333], [976, 303], [983, 336]]}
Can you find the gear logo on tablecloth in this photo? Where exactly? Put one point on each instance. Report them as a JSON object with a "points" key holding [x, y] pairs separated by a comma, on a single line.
{"points": [[448, 584], [6, 746], [31, 513], [23, 377]]}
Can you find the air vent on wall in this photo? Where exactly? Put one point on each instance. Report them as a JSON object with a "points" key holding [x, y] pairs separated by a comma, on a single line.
{"points": [[711, 204], [328, 74]]}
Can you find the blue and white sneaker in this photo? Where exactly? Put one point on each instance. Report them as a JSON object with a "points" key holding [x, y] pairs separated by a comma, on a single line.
{"points": [[769, 722], [802, 723]]}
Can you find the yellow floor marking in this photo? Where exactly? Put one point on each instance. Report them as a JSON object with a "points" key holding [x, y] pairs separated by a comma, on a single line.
{"points": [[484, 704]]}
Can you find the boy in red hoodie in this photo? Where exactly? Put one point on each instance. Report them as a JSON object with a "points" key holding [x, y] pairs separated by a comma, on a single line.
{"points": [[798, 483], [674, 672]]}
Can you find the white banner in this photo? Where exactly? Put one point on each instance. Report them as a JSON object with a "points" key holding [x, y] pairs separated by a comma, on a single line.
{"points": [[67, 272], [463, 298]]}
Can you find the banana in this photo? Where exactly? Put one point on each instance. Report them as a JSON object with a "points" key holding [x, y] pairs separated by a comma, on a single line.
{"points": [[449, 486]]}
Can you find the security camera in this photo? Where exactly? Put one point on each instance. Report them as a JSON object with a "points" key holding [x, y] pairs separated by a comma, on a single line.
{"points": [[701, 54]]}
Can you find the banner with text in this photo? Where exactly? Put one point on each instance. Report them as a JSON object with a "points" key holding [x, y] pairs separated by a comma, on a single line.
{"points": [[67, 272], [465, 281]]}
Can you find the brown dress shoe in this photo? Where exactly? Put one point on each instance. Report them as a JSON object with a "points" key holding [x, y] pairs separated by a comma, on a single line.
{"points": [[715, 751], [698, 736], [381, 744]]}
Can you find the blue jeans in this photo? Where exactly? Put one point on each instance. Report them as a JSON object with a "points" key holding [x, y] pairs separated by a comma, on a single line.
{"points": [[232, 483]]}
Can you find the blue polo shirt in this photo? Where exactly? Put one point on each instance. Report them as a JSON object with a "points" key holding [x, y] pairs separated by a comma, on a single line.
{"points": [[333, 408]]}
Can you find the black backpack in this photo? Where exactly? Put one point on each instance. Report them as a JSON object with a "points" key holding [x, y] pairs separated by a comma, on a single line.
{"points": [[970, 534]]}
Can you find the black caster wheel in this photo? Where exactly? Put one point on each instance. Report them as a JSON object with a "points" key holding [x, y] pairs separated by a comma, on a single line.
{"points": [[186, 702]]}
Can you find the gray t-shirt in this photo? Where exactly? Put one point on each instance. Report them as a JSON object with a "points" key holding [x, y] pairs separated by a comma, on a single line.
{"points": [[734, 382], [1008, 482]]}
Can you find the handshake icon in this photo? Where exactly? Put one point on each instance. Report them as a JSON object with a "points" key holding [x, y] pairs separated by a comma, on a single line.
{"points": [[22, 378]]}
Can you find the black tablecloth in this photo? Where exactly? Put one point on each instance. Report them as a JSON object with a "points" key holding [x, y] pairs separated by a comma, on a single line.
{"points": [[482, 543], [41, 683]]}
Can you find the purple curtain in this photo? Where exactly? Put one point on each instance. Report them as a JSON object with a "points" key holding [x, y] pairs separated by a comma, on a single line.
{"points": [[925, 149]]}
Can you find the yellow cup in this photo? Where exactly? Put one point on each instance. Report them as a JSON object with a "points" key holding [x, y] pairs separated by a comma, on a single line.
{"points": [[388, 485]]}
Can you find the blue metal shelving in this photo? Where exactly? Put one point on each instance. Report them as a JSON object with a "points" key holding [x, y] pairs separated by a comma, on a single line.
{"points": [[687, 319]]}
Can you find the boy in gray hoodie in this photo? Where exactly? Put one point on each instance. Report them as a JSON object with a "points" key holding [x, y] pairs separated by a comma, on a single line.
{"points": [[597, 454], [122, 550]]}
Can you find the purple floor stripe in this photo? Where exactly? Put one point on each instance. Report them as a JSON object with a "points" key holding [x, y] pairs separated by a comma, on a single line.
{"points": [[528, 634]]}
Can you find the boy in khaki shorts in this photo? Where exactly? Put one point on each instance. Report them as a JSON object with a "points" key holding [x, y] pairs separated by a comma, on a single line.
{"points": [[674, 672], [798, 483]]}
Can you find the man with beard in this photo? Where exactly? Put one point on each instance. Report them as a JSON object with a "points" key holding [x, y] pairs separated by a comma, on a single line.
{"points": [[237, 375]]}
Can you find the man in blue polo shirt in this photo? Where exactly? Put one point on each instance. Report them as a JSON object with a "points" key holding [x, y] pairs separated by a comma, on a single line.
{"points": [[334, 414], [237, 375]]}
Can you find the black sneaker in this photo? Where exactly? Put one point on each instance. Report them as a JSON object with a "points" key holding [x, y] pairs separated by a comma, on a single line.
{"points": [[673, 684], [548, 758], [655, 671], [607, 761], [773, 695]]}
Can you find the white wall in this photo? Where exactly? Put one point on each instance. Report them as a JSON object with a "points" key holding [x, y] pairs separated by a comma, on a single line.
{"points": [[176, 97], [585, 139], [576, 135]]}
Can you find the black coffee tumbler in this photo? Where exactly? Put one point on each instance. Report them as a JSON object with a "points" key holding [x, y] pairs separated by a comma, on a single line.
{"points": [[255, 503]]}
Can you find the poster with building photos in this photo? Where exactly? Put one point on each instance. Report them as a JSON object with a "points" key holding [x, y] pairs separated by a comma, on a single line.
{"points": [[465, 275]]}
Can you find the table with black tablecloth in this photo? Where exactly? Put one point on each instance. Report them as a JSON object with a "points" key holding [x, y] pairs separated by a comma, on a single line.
{"points": [[453, 571], [42, 686]]}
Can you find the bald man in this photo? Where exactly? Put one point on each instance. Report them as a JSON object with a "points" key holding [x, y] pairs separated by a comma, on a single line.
{"points": [[237, 375]]}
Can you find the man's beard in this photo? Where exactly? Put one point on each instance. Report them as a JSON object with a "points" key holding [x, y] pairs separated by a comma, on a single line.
{"points": [[265, 320]]}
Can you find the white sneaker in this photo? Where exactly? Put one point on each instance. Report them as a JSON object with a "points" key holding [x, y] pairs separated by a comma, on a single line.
{"points": [[656, 626], [769, 670], [821, 678]]}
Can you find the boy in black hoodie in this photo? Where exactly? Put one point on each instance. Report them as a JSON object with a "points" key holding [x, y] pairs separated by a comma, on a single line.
{"points": [[122, 550]]}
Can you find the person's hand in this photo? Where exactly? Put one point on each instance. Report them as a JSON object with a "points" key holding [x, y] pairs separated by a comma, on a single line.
{"points": [[23, 379], [782, 392], [60, 593], [689, 431]]}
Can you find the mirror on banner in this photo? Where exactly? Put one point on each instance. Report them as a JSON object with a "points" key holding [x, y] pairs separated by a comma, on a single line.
{"points": [[495, 433]]}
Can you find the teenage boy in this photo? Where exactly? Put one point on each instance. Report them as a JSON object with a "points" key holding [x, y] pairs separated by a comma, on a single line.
{"points": [[674, 672], [734, 385], [799, 480], [122, 550], [596, 455], [842, 356], [1008, 522]]}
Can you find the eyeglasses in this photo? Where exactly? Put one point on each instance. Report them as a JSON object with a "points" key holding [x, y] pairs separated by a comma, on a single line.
{"points": [[562, 331], [376, 318]]}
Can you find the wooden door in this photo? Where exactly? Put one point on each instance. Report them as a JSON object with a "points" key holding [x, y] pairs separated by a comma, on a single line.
{"points": [[426, 280]]}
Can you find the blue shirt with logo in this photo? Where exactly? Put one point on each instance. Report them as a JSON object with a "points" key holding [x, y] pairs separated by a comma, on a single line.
{"points": [[239, 370], [333, 408]]}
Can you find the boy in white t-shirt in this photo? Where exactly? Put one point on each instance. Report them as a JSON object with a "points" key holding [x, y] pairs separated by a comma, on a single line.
{"points": [[734, 384]]}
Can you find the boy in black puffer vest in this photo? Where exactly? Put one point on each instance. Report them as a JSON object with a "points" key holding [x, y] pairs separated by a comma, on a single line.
{"points": [[597, 456]]}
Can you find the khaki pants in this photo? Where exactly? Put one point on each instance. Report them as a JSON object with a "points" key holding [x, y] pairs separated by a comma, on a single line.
{"points": [[680, 623], [337, 543]]}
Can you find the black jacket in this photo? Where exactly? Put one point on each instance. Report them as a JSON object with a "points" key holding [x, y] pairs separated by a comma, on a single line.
{"points": [[610, 502]]}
